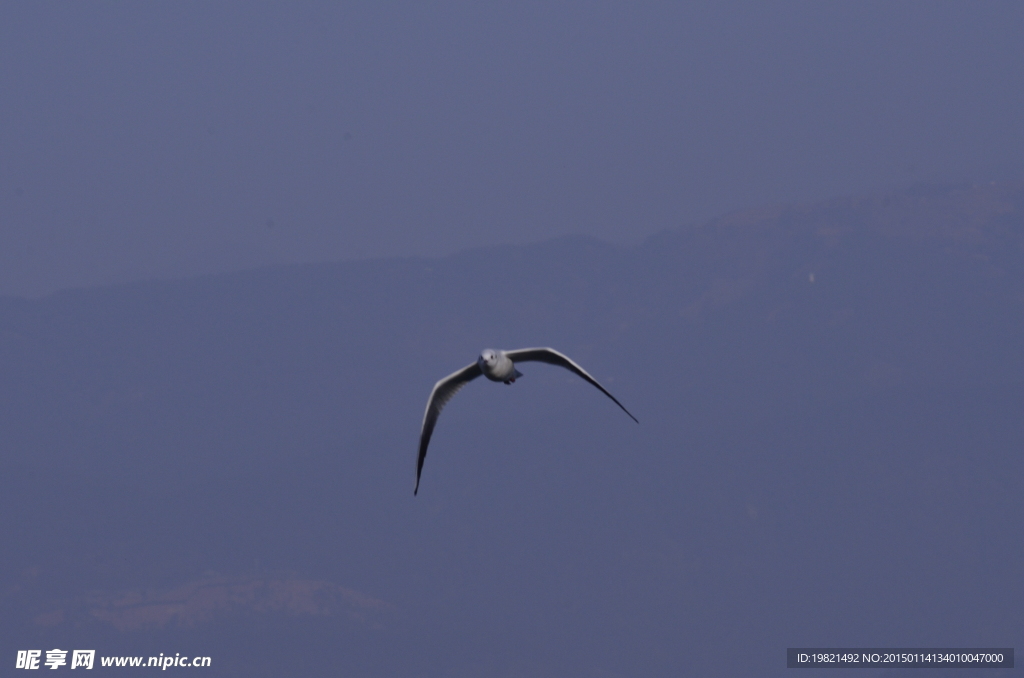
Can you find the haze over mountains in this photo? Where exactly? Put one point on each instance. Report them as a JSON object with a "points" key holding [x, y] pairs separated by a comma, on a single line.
{"points": [[829, 453]]}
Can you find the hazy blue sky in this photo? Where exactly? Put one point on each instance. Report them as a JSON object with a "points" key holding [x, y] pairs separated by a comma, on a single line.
{"points": [[163, 139]]}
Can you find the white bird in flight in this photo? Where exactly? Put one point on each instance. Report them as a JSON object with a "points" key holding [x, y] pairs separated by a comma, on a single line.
{"points": [[496, 366]]}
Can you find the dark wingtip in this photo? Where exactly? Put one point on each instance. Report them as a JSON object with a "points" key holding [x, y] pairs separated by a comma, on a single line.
{"points": [[628, 413]]}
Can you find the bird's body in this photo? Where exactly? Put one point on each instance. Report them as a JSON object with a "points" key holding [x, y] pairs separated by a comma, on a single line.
{"points": [[497, 366]]}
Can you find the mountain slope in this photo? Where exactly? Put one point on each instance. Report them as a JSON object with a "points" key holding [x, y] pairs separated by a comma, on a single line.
{"points": [[829, 449]]}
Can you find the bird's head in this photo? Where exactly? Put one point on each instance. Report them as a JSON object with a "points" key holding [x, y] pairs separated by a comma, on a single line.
{"points": [[488, 357]]}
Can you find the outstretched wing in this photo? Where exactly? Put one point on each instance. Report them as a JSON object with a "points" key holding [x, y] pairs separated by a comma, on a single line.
{"points": [[444, 391], [553, 357]]}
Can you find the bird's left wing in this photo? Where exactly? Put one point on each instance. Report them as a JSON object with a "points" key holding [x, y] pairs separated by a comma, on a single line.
{"points": [[444, 391], [553, 357]]}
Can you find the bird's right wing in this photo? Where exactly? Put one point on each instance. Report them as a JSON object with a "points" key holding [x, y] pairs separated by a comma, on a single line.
{"points": [[444, 391]]}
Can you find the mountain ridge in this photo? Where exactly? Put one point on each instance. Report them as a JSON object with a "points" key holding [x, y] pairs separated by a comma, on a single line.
{"points": [[829, 400]]}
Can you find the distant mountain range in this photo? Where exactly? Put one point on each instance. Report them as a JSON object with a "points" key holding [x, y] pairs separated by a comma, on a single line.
{"points": [[829, 454]]}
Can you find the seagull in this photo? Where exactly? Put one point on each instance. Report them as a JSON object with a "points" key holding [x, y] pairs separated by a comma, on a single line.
{"points": [[497, 366]]}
